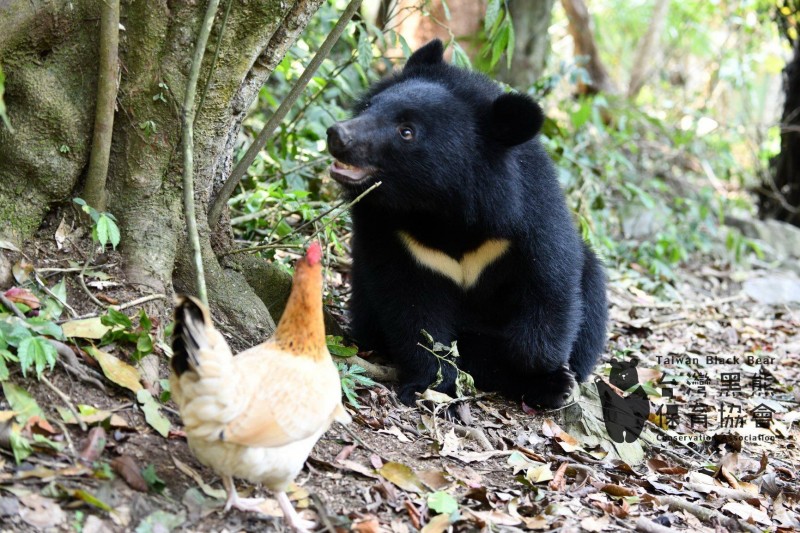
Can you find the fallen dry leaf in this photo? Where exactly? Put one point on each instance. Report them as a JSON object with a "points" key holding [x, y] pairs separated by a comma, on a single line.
{"points": [[127, 468], [40, 512], [23, 296], [95, 444], [117, 370], [402, 476]]}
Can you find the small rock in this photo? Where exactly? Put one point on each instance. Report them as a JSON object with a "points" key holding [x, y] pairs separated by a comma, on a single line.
{"points": [[773, 289]]}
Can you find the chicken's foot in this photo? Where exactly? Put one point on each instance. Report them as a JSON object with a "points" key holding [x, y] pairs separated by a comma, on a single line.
{"points": [[292, 518], [235, 502]]}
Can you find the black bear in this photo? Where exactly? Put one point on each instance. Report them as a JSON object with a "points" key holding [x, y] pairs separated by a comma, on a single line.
{"points": [[468, 236]]}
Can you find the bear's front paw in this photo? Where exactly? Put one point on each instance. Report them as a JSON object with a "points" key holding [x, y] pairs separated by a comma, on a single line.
{"points": [[550, 389], [407, 394]]}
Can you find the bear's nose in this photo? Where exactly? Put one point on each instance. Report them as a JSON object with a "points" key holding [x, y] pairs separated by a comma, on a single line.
{"points": [[338, 138]]}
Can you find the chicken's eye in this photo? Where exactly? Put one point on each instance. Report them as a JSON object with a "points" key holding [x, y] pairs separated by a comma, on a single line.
{"points": [[406, 132]]}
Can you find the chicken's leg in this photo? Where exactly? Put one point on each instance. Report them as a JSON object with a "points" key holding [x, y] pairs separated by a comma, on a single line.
{"points": [[294, 520], [243, 504]]}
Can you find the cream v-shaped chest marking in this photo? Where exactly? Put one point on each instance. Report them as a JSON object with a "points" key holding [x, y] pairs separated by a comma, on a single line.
{"points": [[465, 272]]}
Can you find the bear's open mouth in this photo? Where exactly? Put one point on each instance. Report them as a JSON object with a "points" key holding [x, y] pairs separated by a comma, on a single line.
{"points": [[348, 174]]}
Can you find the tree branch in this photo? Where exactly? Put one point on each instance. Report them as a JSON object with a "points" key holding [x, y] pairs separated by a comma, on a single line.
{"points": [[187, 119], [261, 140], [94, 191]]}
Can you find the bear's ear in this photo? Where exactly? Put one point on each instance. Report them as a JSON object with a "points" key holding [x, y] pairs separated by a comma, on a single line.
{"points": [[430, 54], [515, 118]]}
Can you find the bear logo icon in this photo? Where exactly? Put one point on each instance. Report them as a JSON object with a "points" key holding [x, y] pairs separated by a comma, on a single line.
{"points": [[624, 415]]}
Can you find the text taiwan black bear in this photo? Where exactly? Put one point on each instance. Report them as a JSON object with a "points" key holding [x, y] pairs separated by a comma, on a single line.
{"points": [[468, 237]]}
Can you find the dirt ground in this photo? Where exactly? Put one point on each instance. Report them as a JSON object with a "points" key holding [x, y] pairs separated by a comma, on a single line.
{"points": [[503, 469]]}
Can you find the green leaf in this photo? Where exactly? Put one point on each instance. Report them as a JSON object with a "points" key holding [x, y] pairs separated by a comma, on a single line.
{"points": [[45, 327], [21, 402], [116, 318], [19, 445], [338, 349], [492, 14], [460, 57], [151, 478], [144, 321], [442, 502], [152, 412], [107, 231], [38, 352], [364, 50], [446, 10], [3, 367], [404, 45], [13, 331], [144, 345]]}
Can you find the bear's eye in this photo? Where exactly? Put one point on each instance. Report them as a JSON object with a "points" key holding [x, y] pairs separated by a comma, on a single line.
{"points": [[406, 132]]}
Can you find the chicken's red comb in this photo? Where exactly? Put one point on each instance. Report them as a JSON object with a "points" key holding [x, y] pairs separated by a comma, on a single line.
{"points": [[314, 253]]}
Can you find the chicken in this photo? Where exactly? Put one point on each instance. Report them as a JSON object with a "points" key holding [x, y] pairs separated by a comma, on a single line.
{"points": [[257, 416]]}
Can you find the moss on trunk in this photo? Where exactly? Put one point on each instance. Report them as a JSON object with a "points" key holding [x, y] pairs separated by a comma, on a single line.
{"points": [[49, 55]]}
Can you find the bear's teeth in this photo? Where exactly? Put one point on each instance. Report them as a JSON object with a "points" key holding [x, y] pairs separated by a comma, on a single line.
{"points": [[344, 165]]}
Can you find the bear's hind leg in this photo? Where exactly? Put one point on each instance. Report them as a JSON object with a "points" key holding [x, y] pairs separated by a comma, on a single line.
{"points": [[591, 340]]}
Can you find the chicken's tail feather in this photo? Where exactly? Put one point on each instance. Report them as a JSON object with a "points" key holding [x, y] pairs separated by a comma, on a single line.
{"points": [[189, 335]]}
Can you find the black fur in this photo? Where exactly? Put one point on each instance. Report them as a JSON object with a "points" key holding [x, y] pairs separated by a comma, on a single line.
{"points": [[536, 319], [184, 343]]}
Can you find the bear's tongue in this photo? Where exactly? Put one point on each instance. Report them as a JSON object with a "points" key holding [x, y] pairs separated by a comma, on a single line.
{"points": [[349, 172]]}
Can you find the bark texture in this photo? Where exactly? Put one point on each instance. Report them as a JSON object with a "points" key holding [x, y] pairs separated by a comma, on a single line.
{"points": [[779, 198], [531, 20], [648, 52], [49, 52], [580, 29]]}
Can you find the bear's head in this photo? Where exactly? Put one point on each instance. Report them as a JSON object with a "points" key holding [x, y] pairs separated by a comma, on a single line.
{"points": [[432, 133], [623, 373]]}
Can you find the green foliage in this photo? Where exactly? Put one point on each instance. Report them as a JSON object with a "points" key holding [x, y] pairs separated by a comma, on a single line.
{"points": [[154, 482], [448, 355], [104, 225], [337, 347], [123, 330], [28, 337], [352, 377], [3, 114], [442, 502]]}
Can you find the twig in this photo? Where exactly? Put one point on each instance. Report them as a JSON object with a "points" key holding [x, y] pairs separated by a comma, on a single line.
{"points": [[322, 512], [70, 363], [213, 65], [53, 295], [10, 306], [297, 89], [723, 492], [360, 441], [703, 513], [345, 208], [82, 283], [187, 141], [139, 301], [94, 191], [648, 526], [475, 434], [67, 437], [66, 400], [120, 307]]}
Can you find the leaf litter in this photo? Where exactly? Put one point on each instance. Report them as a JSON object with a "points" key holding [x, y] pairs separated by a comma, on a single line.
{"points": [[401, 469]]}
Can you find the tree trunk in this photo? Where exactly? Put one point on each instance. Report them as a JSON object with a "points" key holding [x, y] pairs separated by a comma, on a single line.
{"points": [[579, 25], [49, 53], [531, 20], [779, 198], [648, 49]]}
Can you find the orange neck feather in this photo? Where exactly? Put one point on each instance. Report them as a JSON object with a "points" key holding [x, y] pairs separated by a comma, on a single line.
{"points": [[301, 330]]}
